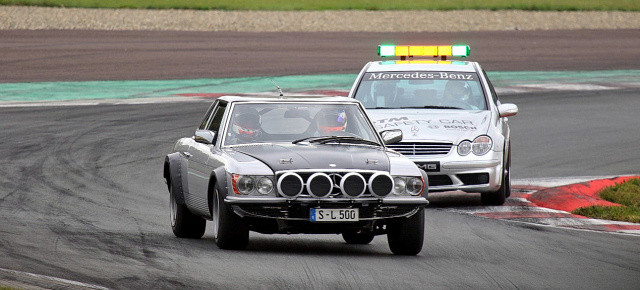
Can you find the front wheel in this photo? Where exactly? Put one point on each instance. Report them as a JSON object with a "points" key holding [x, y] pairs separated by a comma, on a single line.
{"points": [[184, 223], [500, 197], [406, 235], [229, 230]]}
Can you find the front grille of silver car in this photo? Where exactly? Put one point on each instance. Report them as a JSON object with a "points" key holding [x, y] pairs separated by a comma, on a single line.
{"points": [[421, 148]]}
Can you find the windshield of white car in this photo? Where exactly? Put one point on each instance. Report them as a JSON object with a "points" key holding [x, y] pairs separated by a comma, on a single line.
{"points": [[271, 122], [427, 90]]}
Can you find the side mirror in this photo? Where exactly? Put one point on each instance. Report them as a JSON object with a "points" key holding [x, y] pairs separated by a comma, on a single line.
{"points": [[205, 136], [391, 136], [507, 110]]}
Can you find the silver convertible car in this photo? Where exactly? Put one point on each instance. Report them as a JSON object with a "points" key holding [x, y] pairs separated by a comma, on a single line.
{"points": [[289, 165], [454, 125]]}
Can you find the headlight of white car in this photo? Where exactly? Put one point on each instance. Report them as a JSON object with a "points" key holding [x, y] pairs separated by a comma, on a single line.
{"points": [[252, 185], [480, 146], [464, 148]]}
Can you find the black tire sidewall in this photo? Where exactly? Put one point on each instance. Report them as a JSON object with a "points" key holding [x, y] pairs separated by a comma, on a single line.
{"points": [[186, 224], [406, 235], [232, 233], [499, 197]]}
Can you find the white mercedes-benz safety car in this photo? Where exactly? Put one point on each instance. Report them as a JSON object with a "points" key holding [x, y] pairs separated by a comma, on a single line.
{"points": [[453, 123]]}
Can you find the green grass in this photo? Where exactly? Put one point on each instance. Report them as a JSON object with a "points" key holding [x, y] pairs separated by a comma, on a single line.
{"points": [[627, 194], [547, 5]]}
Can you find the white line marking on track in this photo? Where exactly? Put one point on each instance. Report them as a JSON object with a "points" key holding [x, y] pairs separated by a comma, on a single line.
{"points": [[54, 279]]}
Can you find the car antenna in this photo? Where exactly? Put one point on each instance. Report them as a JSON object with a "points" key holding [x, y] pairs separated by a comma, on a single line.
{"points": [[279, 89]]}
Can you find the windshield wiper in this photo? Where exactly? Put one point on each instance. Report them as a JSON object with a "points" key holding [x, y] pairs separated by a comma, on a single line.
{"points": [[441, 107], [339, 139], [305, 139], [421, 107]]}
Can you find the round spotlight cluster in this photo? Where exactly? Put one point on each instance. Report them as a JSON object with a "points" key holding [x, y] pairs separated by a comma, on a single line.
{"points": [[353, 184], [380, 184], [319, 185], [290, 185]]}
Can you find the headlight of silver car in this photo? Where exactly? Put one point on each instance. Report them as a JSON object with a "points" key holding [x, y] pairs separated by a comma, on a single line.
{"points": [[252, 185], [480, 146], [408, 185], [265, 185]]}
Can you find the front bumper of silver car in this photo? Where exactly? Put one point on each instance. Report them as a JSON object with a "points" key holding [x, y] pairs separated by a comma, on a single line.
{"points": [[299, 208]]}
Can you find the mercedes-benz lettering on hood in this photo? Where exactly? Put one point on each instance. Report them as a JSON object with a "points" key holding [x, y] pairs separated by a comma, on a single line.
{"points": [[302, 156], [453, 126]]}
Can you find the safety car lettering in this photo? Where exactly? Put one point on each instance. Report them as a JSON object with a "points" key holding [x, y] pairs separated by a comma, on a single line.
{"points": [[431, 124], [420, 76], [441, 121], [463, 122]]}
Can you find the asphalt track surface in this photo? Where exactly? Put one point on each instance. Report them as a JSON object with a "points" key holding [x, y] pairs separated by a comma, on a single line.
{"points": [[83, 199]]}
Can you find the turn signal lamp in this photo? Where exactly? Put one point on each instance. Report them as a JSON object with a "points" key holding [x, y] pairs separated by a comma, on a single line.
{"points": [[442, 51]]}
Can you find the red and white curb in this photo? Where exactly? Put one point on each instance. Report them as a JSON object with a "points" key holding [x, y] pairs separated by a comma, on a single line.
{"points": [[551, 206], [550, 87]]}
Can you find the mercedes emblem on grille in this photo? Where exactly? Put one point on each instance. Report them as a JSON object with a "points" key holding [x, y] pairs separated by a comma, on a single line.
{"points": [[415, 130]]}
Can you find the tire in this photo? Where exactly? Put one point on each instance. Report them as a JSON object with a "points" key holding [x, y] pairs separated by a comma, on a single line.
{"points": [[499, 197], [356, 238], [406, 235], [184, 223], [229, 230]]}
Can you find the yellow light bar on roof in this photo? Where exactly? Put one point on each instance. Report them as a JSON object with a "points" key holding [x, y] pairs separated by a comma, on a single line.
{"points": [[416, 50]]}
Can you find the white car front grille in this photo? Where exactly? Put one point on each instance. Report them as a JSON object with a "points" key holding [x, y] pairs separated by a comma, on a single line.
{"points": [[421, 148]]}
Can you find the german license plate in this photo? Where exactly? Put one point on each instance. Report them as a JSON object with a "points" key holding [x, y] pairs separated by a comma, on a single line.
{"points": [[334, 215]]}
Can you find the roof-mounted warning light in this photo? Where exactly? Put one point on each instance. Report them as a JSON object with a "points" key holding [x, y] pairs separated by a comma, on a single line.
{"points": [[409, 51]]}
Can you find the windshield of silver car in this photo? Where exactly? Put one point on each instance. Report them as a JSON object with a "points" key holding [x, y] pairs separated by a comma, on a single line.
{"points": [[421, 89], [287, 122]]}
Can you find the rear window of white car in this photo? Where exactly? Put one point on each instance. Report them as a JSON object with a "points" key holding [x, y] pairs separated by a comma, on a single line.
{"points": [[420, 89]]}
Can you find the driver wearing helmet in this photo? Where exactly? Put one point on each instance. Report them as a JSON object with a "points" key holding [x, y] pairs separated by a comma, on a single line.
{"points": [[457, 90], [246, 127], [384, 93], [330, 122], [456, 94]]}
